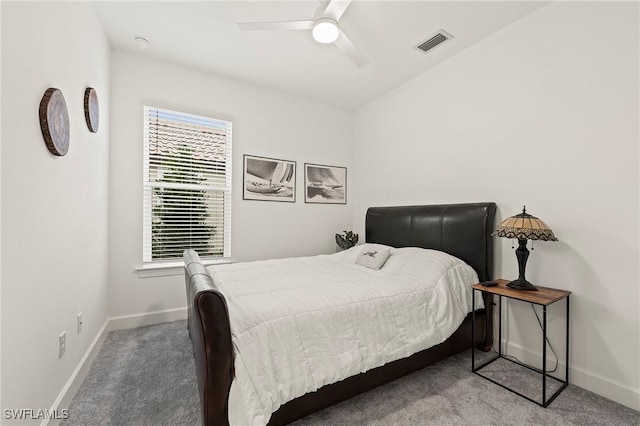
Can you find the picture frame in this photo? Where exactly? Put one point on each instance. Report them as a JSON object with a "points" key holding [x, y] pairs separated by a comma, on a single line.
{"points": [[325, 184], [268, 179]]}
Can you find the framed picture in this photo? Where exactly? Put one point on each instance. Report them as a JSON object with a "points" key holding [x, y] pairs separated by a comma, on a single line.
{"points": [[325, 184], [269, 179]]}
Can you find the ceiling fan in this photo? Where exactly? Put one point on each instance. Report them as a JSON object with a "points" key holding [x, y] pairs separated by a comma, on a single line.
{"points": [[324, 29]]}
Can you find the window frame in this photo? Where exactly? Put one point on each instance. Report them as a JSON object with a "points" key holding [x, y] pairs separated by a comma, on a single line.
{"points": [[173, 265]]}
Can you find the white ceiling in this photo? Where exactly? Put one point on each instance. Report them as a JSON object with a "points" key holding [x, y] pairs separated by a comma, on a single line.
{"points": [[204, 35]]}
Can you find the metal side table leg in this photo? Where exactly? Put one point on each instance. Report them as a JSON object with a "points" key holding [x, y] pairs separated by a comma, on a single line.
{"points": [[544, 356]]}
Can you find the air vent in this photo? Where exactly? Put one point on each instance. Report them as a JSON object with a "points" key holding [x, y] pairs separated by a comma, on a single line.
{"points": [[433, 41]]}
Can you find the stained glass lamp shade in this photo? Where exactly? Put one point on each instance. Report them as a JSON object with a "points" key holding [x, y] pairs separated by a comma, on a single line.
{"points": [[524, 227]]}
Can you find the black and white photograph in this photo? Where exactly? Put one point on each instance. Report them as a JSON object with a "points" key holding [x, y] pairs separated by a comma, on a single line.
{"points": [[269, 179], [325, 184]]}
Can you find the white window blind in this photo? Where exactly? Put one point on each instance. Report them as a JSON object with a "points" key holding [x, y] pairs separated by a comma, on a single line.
{"points": [[187, 185]]}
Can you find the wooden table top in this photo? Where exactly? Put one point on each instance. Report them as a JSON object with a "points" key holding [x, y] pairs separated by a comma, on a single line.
{"points": [[544, 295]]}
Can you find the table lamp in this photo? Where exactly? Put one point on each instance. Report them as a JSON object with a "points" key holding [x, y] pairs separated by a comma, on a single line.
{"points": [[524, 227]]}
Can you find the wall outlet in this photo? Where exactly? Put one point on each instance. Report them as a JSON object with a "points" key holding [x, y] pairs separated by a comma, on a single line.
{"points": [[62, 344], [79, 322]]}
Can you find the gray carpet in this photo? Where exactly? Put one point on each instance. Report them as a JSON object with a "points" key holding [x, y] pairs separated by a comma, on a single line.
{"points": [[146, 376]]}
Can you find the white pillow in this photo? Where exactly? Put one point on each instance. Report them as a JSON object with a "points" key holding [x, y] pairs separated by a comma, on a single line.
{"points": [[373, 256]]}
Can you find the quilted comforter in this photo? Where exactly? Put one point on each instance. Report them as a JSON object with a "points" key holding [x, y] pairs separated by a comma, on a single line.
{"points": [[300, 323]]}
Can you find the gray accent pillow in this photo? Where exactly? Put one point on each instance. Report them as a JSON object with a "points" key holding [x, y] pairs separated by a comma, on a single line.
{"points": [[373, 256]]}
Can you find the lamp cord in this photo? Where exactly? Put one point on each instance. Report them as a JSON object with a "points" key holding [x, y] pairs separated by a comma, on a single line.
{"points": [[513, 358], [547, 340]]}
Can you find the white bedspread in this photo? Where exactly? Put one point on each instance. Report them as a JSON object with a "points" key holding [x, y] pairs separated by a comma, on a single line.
{"points": [[301, 323]]}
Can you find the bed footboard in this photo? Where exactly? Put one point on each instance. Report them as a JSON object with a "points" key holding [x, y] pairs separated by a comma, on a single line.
{"points": [[210, 332]]}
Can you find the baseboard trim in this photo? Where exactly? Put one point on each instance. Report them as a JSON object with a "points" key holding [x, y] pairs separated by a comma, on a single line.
{"points": [[148, 318], [113, 323], [77, 377], [611, 389]]}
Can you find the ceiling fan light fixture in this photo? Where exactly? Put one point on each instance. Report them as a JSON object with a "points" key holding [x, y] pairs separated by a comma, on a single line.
{"points": [[325, 30]]}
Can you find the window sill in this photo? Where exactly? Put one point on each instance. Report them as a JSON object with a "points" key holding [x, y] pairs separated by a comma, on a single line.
{"points": [[166, 269]]}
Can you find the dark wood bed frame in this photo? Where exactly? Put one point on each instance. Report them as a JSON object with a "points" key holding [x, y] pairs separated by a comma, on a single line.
{"points": [[462, 230]]}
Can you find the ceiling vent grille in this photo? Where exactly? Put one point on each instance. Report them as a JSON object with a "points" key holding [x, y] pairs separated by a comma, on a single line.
{"points": [[435, 40]]}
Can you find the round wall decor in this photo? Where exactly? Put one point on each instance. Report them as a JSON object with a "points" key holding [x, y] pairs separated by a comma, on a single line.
{"points": [[91, 109], [54, 121]]}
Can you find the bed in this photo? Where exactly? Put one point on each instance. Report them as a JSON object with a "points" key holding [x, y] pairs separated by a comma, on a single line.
{"points": [[460, 230]]}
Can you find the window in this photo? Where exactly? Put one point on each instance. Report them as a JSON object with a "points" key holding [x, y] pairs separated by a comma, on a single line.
{"points": [[187, 185]]}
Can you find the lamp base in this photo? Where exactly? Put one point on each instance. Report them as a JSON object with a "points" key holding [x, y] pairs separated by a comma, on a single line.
{"points": [[522, 284]]}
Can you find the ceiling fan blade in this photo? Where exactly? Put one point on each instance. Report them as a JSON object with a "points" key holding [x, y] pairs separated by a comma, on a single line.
{"points": [[346, 45], [267, 26], [336, 8]]}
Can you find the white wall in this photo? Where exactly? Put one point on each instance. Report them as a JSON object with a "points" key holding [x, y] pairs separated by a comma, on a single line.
{"points": [[542, 113], [54, 209], [265, 123]]}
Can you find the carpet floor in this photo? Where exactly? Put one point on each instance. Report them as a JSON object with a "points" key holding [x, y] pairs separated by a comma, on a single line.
{"points": [[146, 376]]}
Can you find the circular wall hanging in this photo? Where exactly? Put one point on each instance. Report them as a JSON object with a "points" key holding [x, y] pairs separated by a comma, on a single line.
{"points": [[54, 121], [91, 109]]}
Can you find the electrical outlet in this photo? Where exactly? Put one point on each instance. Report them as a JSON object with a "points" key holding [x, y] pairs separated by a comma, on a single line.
{"points": [[79, 322], [62, 344]]}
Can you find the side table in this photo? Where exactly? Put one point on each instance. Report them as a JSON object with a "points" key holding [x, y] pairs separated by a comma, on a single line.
{"points": [[543, 297]]}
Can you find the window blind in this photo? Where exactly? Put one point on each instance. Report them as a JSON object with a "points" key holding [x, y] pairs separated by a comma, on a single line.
{"points": [[187, 185]]}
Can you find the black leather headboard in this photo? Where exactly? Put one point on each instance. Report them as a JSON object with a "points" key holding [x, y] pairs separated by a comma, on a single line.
{"points": [[462, 230]]}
